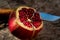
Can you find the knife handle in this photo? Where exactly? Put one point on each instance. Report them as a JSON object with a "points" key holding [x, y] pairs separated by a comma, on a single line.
{"points": [[5, 11]]}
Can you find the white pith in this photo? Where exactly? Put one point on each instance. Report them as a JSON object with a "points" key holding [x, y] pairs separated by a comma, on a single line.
{"points": [[22, 25]]}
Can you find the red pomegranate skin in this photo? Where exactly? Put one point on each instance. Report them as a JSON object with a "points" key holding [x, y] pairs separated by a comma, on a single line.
{"points": [[22, 33], [19, 31]]}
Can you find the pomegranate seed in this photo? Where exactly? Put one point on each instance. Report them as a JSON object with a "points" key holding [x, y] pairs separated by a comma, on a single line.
{"points": [[27, 24], [36, 17], [30, 13], [25, 10], [23, 19], [21, 13], [30, 10], [36, 24]]}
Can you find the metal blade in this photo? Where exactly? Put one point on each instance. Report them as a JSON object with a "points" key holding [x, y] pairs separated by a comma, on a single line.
{"points": [[48, 17]]}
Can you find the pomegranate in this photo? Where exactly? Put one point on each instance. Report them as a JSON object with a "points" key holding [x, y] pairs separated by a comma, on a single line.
{"points": [[25, 23]]}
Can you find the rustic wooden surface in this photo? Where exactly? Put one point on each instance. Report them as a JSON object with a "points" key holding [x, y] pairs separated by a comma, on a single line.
{"points": [[50, 31]]}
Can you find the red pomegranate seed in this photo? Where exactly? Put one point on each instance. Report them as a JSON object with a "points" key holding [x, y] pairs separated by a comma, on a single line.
{"points": [[30, 13], [30, 10], [23, 19], [21, 13], [24, 9], [36, 24], [27, 24], [36, 17]]}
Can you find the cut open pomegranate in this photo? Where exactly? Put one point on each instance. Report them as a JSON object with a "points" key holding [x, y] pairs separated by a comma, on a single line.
{"points": [[26, 23]]}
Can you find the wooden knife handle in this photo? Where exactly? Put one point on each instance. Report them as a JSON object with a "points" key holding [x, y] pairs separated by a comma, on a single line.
{"points": [[5, 11]]}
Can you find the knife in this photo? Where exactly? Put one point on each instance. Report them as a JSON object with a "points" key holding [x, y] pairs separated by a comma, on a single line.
{"points": [[48, 17]]}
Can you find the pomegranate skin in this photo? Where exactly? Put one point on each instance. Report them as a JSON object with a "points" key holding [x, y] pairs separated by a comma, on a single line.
{"points": [[22, 33]]}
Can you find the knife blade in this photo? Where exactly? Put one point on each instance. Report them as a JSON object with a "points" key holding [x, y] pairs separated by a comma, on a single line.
{"points": [[48, 17]]}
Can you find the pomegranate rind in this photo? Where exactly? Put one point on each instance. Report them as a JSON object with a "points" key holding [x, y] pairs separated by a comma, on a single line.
{"points": [[22, 33]]}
